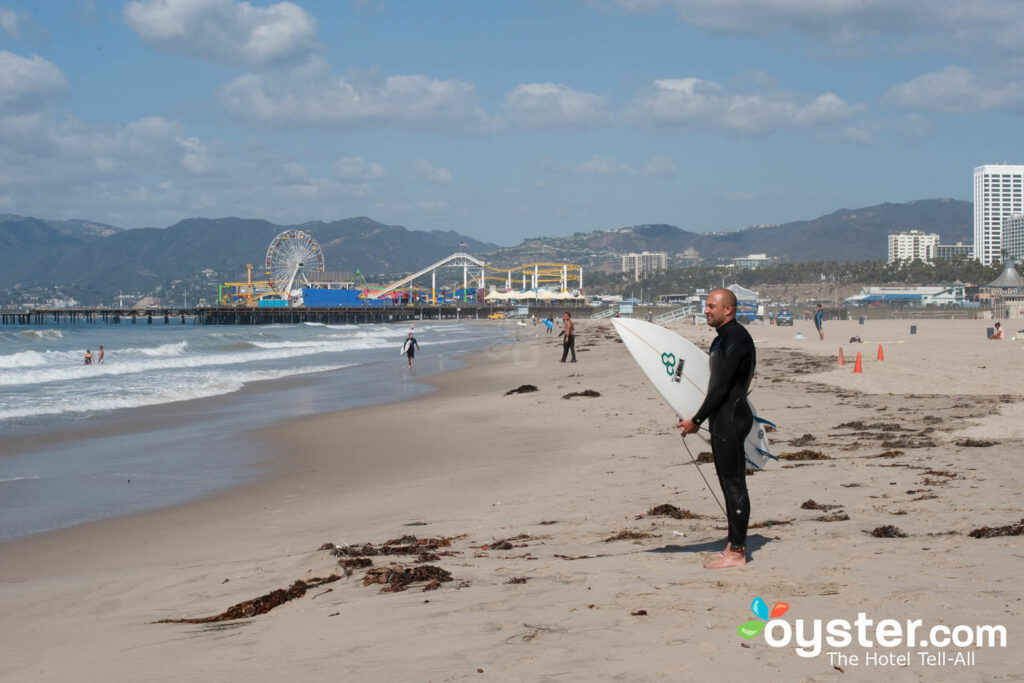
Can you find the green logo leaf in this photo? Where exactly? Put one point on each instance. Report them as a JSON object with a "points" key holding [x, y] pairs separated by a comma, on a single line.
{"points": [[751, 628]]}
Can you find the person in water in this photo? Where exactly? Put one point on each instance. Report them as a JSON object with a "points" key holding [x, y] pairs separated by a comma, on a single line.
{"points": [[409, 349], [99, 357], [88, 357], [729, 418]]}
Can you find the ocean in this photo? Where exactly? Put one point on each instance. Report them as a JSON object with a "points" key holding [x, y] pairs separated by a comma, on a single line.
{"points": [[169, 415]]}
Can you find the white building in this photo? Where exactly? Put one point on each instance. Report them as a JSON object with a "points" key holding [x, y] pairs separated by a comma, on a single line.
{"points": [[1013, 236], [751, 261], [645, 264], [997, 195], [937, 295], [951, 252], [913, 244]]}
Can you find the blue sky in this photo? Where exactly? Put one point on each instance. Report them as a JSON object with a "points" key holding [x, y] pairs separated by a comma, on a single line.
{"points": [[502, 120]]}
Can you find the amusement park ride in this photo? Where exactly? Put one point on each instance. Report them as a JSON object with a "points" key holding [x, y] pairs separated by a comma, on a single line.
{"points": [[295, 262]]}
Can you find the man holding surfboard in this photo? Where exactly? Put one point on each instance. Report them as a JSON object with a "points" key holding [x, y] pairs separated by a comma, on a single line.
{"points": [[729, 417]]}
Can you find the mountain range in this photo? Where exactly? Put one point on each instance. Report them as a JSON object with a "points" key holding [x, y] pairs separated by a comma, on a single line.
{"points": [[87, 255]]}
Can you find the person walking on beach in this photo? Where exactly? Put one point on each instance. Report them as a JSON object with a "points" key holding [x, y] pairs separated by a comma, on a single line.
{"points": [[551, 324], [99, 357], [819, 315], [568, 337], [409, 349], [88, 357], [729, 417]]}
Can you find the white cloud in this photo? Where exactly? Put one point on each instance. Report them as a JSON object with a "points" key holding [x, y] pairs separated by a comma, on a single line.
{"points": [[956, 90], [311, 94], [659, 167], [606, 166], [427, 172], [978, 25], [224, 30], [356, 169], [27, 84], [692, 101], [9, 22], [551, 105]]}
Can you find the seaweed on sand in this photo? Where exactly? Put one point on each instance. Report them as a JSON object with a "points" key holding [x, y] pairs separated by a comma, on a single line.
{"points": [[260, 605], [1016, 529]]}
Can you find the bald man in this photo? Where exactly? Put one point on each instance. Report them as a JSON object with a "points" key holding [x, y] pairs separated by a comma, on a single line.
{"points": [[729, 418]]}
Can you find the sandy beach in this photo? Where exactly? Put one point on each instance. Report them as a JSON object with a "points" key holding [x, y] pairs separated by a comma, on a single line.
{"points": [[518, 496]]}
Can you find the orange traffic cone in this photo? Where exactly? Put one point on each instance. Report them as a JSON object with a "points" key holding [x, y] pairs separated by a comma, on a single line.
{"points": [[842, 361], [881, 356], [856, 364]]}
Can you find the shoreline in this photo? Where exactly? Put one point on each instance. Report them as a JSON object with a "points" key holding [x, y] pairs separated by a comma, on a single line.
{"points": [[557, 477]]}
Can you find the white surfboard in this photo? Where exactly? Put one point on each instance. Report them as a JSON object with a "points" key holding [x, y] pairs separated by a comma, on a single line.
{"points": [[680, 371]]}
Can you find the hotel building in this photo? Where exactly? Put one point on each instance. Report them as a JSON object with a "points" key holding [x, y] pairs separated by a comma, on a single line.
{"points": [[997, 195]]}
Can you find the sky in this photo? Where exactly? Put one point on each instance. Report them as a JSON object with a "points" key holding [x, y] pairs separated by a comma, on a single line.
{"points": [[502, 120]]}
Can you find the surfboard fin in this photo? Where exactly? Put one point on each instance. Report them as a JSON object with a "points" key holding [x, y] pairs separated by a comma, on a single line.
{"points": [[767, 454], [765, 422]]}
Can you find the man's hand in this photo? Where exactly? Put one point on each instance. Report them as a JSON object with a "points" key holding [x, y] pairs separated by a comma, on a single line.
{"points": [[688, 426]]}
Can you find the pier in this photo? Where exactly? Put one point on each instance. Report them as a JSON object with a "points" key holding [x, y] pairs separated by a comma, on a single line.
{"points": [[230, 315]]}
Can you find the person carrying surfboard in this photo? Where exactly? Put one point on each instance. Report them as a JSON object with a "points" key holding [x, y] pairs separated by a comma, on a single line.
{"points": [[732, 362], [409, 348]]}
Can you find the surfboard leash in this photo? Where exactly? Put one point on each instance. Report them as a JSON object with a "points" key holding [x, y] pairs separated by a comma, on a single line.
{"points": [[697, 465]]}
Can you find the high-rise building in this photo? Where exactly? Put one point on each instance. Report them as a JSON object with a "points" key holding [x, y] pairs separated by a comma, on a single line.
{"points": [[1013, 236], [913, 244], [997, 195], [643, 265]]}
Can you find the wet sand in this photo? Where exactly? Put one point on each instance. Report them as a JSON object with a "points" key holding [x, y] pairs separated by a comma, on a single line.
{"points": [[526, 488]]}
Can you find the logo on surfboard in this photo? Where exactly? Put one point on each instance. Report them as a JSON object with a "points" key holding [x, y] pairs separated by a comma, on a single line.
{"points": [[672, 369]]}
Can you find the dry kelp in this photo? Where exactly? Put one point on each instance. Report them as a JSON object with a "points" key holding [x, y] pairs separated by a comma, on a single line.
{"points": [[260, 605], [628, 535], [586, 393], [667, 510], [805, 454], [1016, 529], [887, 531], [521, 389], [975, 443], [404, 545], [397, 578], [812, 505]]}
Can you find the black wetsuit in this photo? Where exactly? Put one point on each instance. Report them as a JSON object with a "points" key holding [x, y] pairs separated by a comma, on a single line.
{"points": [[410, 347], [732, 366]]}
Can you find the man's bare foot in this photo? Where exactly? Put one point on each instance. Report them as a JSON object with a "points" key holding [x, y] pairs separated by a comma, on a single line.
{"points": [[729, 558]]}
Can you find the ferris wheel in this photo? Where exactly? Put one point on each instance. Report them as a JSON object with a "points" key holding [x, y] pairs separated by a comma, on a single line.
{"points": [[292, 258]]}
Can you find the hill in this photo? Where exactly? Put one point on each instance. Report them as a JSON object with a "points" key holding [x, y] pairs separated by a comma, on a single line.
{"points": [[93, 261], [845, 235]]}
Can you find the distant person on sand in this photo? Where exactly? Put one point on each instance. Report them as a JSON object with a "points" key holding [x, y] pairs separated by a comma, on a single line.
{"points": [[819, 315], [733, 359], [568, 337], [88, 357], [99, 357], [409, 349], [551, 324], [998, 334]]}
